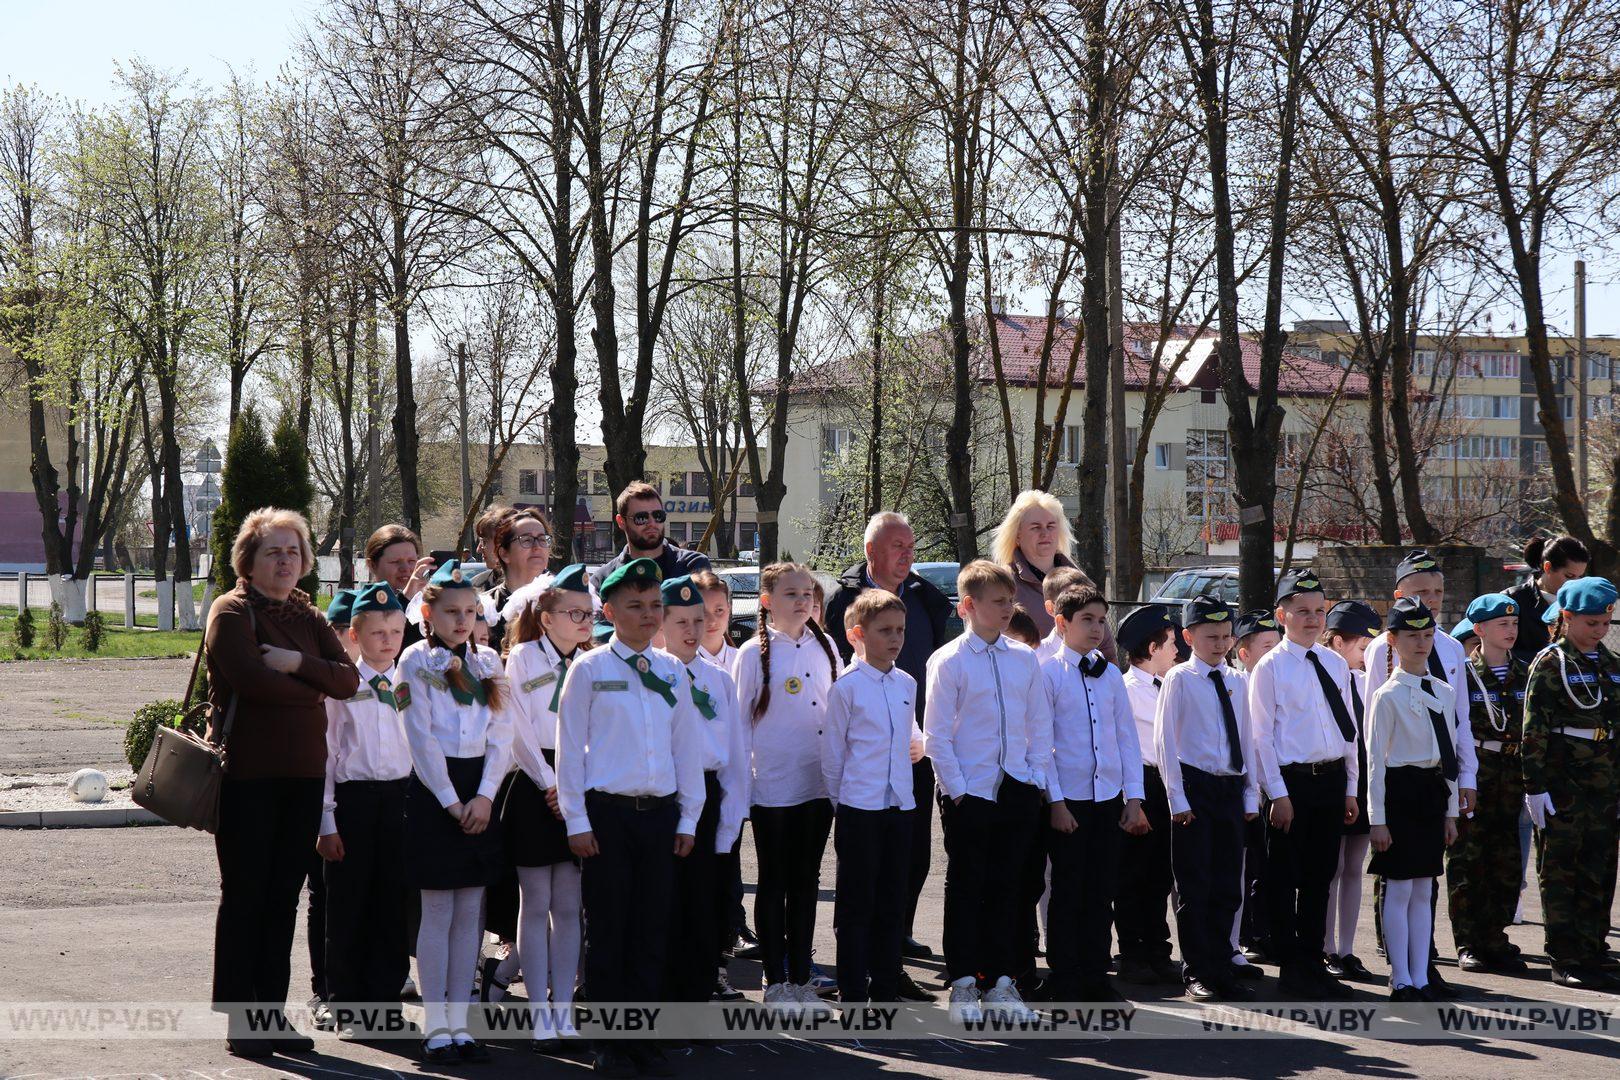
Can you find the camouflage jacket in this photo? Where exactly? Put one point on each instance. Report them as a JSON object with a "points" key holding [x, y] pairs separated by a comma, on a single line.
{"points": [[1548, 706], [1486, 692]]}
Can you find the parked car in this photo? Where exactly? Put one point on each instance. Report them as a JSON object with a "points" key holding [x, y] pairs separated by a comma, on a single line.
{"points": [[942, 576], [1220, 582]]}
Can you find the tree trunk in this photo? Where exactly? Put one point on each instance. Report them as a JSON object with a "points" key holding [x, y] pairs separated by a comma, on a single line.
{"points": [[405, 439], [1091, 512]]}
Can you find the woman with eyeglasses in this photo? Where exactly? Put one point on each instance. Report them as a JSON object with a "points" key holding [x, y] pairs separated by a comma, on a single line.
{"points": [[521, 552]]}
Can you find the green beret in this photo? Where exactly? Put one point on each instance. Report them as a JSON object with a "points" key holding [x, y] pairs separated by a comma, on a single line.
{"points": [[681, 592], [572, 578], [378, 596], [340, 612], [634, 572], [451, 576]]}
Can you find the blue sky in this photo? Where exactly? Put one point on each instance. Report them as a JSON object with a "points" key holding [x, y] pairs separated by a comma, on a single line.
{"points": [[70, 48]]}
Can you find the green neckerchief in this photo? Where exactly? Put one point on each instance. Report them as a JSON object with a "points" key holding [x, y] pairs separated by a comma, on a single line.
{"points": [[643, 668], [701, 698], [385, 690], [467, 697], [556, 695]]}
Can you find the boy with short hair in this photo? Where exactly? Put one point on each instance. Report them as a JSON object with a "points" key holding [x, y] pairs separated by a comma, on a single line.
{"points": [[1147, 639], [1204, 745], [1304, 741], [869, 743], [988, 729], [630, 790], [362, 836], [1094, 791], [1053, 585]]}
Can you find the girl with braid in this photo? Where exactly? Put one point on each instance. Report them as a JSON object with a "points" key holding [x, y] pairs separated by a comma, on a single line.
{"points": [[784, 675]]}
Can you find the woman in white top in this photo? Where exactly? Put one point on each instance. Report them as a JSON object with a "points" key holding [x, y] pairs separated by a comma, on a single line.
{"points": [[454, 695], [545, 637], [784, 675], [1411, 793]]}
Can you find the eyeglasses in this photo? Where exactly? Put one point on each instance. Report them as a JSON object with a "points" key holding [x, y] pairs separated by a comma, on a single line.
{"points": [[578, 615], [530, 540], [641, 517]]}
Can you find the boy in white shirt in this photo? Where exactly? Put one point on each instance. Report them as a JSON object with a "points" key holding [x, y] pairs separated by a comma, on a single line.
{"points": [[1201, 735], [1258, 632], [1147, 639], [362, 837], [1305, 750], [1094, 788], [988, 730], [869, 743]]}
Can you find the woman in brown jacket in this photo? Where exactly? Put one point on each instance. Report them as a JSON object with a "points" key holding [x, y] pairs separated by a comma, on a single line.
{"points": [[1033, 540], [270, 650]]}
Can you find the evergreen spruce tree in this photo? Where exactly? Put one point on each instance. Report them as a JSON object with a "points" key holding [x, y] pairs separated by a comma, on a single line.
{"points": [[250, 480], [296, 490]]}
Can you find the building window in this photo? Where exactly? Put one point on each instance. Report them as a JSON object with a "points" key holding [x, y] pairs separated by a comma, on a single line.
{"points": [[528, 482], [745, 486], [1599, 366], [1161, 455], [835, 442], [677, 484], [697, 485], [1206, 483], [1071, 444], [677, 531], [1491, 364], [1477, 448], [747, 536], [598, 482], [1488, 406]]}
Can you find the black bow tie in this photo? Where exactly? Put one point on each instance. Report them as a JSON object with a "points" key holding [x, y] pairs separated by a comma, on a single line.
{"points": [[1092, 667]]}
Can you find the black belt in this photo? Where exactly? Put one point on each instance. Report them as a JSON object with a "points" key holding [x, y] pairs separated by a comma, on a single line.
{"points": [[1314, 768], [632, 802]]}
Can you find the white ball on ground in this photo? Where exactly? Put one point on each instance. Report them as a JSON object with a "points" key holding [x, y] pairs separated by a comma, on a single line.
{"points": [[88, 785]]}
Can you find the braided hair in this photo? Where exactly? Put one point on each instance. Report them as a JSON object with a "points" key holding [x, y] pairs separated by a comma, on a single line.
{"points": [[767, 580], [457, 675]]}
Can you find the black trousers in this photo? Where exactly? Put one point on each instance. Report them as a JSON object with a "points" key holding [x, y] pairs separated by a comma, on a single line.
{"points": [[1206, 854], [1255, 931], [315, 926], [874, 848], [1300, 865], [1142, 902], [695, 946], [267, 829], [922, 840], [789, 842], [367, 915], [986, 845], [627, 888], [1085, 869], [1031, 885]]}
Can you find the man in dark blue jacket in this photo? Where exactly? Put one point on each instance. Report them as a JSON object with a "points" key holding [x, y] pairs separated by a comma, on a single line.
{"points": [[891, 547]]}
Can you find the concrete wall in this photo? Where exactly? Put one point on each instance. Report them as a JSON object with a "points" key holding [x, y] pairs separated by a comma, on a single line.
{"points": [[1367, 572]]}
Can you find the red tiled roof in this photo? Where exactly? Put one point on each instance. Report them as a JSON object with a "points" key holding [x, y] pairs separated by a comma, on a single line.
{"points": [[1021, 337]]}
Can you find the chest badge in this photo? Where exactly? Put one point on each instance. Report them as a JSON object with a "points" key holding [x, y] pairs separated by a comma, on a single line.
{"points": [[793, 684], [642, 665]]}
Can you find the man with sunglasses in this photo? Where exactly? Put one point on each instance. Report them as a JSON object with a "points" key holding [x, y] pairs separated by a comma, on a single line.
{"points": [[639, 514]]}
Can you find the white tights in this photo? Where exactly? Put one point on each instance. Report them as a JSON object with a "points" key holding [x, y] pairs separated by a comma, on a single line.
{"points": [[548, 939], [447, 955], [1344, 896], [1406, 930]]}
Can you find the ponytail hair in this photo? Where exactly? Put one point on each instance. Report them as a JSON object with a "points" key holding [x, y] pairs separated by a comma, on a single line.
{"points": [[767, 580], [456, 675], [1558, 551]]}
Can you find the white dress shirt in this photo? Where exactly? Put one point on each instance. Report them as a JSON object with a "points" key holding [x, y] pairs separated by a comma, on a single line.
{"points": [[866, 744], [1190, 728], [617, 736], [1453, 658], [1399, 732], [724, 746], [536, 671], [1095, 752], [785, 741], [986, 716], [1293, 723], [365, 740], [440, 727], [725, 659], [1142, 690], [1050, 646]]}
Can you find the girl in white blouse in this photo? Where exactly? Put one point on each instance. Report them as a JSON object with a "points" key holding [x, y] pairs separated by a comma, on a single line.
{"points": [[546, 635], [716, 646], [783, 678], [1411, 793], [453, 695]]}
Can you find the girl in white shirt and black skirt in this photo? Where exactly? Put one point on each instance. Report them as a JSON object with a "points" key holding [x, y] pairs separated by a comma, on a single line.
{"points": [[1411, 794]]}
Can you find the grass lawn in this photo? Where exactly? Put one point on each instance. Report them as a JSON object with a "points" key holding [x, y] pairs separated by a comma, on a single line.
{"points": [[118, 641]]}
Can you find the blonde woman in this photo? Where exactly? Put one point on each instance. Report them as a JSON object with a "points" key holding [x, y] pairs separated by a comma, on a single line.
{"points": [[1031, 541]]}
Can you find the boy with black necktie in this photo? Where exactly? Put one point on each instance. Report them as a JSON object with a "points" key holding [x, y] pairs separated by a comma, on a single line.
{"points": [[1202, 738], [1305, 746]]}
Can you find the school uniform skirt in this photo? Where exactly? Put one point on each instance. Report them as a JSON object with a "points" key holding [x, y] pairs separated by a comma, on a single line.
{"points": [[534, 836], [442, 856], [1415, 812]]}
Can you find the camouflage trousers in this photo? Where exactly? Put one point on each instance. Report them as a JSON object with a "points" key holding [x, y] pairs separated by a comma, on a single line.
{"points": [[1482, 867], [1575, 860]]}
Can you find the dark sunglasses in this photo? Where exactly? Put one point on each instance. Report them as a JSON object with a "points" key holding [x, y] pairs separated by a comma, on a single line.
{"points": [[641, 517]]}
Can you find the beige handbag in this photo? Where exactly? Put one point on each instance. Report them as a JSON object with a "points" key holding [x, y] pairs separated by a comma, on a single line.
{"points": [[180, 779]]}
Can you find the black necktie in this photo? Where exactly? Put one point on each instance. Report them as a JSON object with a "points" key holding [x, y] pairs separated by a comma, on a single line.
{"points": [[1234, 749], [1092, 667], [1361, 710], [1442, 736], [1436, 668], [1335, 699], [1158, 683]]}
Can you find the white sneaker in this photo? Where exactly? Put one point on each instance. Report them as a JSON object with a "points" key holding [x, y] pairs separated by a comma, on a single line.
{"points": [[812, 1002], [783, 996], [1518, 912], [964, 1006], [1006, 1000]]}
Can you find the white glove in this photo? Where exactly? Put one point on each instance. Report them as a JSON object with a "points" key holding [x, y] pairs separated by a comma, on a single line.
{"points": [[1540, 807]]}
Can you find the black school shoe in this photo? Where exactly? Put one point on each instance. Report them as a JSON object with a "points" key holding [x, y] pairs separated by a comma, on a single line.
{"points": [[250, 1048], [1439, 989], [912, 949], [1582, 978], [471, 1052], [908, 990], [1407, 995], [1248, 972], [1137, 971], [610, 1061], [1202, 992], [650, 1060], [1354, 969]]}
